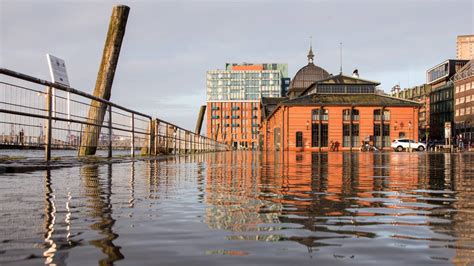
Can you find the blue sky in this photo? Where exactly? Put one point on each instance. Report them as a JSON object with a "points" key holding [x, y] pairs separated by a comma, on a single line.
{"points": [[169, 45]]}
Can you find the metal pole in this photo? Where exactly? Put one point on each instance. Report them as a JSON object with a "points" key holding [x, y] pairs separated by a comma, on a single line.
{"points": [[48, 124], [151, 138], [132, 139], [110, 131]]}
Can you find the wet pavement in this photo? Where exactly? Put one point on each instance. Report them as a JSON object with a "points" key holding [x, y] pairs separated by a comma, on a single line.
{"points": [[244, 208]]}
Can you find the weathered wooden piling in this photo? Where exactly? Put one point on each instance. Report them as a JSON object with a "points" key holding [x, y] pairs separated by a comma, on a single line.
{"points": [[105, 78], [200, 118]]}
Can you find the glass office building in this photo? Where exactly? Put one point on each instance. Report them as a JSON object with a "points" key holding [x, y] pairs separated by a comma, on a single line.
{"points": [[233, 96]]}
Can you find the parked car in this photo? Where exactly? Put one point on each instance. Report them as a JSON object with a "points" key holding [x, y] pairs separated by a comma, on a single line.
{"points": [[403, 144]]}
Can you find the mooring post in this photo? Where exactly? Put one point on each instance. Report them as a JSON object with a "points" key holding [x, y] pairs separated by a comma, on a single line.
{"points": [[110, 132], [105, 78], [132, 136], [49, 129]]}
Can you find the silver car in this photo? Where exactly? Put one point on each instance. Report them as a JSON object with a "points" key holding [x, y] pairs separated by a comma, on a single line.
{"points": [[405, 144]]}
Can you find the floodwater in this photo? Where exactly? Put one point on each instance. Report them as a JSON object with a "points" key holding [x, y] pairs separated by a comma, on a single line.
{"points": [[245, 208]]}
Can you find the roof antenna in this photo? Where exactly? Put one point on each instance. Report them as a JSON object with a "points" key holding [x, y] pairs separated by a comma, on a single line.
{"points": [[340, 58]]}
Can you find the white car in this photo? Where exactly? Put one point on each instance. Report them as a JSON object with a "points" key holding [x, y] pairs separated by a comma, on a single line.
{"points": [[405, 144]]}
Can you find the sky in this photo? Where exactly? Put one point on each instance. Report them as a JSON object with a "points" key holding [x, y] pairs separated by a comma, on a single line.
{"points": [[169, 45]]}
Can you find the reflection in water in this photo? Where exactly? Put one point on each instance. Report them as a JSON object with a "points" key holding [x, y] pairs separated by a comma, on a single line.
{"points": [[246, 207], [57, 242], [98, 192], [331, 199]]}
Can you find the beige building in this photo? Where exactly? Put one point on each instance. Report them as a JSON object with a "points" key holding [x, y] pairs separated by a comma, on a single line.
{"points": [[464, 101], [465, 47]]}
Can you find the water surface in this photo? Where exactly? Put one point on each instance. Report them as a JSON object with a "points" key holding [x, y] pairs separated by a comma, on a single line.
{"points": [[247, 208]]}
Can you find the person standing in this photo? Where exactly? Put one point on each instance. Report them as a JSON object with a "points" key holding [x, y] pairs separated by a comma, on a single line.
{"points": [[22, 137]]}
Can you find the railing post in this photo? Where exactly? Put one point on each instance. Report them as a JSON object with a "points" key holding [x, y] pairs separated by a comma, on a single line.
{"points": [[151, 138], [175, 136], [132, 137], [110, 131], [49, 129]]}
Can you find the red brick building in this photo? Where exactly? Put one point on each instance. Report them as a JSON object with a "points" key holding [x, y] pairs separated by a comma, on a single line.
{"points": [[339, 109], [464, 101]]}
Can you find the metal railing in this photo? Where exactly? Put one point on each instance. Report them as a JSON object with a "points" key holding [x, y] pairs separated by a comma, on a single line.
{"points": [[37, 114]]}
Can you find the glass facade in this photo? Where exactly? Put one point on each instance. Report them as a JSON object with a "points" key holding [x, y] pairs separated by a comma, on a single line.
{"points": [[438, 72], [239, 85]]}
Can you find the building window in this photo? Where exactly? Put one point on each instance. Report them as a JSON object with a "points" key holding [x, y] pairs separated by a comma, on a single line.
{"points": [[346, 139], [378, 115], [317, 113], [299, 139], [346, 114], [315, 135], [378, 135]]}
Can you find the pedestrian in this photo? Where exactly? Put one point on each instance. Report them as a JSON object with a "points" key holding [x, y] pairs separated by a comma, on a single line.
{"points": [[461, 142], [22, 137]]}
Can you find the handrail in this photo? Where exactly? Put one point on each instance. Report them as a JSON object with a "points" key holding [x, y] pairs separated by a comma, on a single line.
{"points": [[19, 75]]}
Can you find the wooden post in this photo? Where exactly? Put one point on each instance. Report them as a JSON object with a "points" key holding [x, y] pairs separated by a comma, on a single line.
{"points": [[49, 129], [202, 111], [105, 78], [110, 131]]}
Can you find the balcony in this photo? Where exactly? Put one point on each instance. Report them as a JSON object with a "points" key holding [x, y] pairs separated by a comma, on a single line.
{"points": [[235, 117], [215, 108], [235, 108], [215, 117]]}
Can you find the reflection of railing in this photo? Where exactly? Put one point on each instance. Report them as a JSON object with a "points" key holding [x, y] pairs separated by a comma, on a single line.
{"points": [[56, 117]]}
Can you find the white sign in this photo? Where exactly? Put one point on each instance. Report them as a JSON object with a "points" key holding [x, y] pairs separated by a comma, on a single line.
{"points": [[57, 68]]}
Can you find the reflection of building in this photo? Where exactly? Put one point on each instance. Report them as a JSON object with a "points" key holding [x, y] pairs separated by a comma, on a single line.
{"points": [[419, 94], [463, 224], [336, 109], [464, 100], [442, 95], [233, 94], [465, 47]]}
